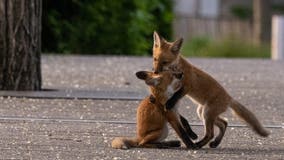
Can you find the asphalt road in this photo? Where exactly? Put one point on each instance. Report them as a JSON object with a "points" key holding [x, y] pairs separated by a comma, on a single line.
{"points": [[53, 128]]}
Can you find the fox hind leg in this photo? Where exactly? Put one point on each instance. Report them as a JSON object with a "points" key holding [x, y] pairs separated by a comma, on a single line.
{"points": [[209, 120], [152, 140], [199, 112], [151, 137], [222, 125]]}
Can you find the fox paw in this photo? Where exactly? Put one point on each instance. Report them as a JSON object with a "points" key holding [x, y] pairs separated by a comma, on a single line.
{"points": [[193, 136], [213, 144]]}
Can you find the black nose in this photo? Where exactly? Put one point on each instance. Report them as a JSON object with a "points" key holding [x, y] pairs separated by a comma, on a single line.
{"points": [[157, 70]]}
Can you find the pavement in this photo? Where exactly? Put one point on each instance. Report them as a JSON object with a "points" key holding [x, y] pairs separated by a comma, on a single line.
{"points": [[89, 100]]}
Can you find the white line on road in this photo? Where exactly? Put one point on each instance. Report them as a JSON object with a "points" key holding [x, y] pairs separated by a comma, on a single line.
{"points": [[62, 120]]}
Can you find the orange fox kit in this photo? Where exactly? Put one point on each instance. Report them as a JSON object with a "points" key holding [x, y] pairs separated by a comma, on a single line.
{"points": [[201, 88], [152, 118]]}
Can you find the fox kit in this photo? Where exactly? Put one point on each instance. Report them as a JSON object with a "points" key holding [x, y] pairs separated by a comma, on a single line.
{"points": [[211, 97], [152, 117]]}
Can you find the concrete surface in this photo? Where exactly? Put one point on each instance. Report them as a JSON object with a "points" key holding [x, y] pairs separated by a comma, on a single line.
{"points": [[52, 128]]}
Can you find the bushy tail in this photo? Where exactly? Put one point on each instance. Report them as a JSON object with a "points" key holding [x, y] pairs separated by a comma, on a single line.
{"points": [[124, 143], [249, 117]]}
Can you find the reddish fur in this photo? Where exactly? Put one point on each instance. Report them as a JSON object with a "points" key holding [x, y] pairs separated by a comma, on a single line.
{"points": [[204, 90], [151, 117]]}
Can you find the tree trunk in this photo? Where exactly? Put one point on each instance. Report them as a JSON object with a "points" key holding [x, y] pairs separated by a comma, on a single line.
{"points": [[20, 44], [261, 21]]}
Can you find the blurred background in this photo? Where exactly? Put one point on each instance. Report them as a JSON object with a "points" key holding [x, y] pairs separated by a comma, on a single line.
{"points": [[211, 28]]}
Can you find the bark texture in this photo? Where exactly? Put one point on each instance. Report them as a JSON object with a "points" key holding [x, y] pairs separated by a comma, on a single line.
{"points": [[262, 21], [20, 44]]}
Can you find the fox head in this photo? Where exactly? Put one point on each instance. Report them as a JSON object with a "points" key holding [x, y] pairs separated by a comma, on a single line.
{"points": [[162, 85], [165, 53]]}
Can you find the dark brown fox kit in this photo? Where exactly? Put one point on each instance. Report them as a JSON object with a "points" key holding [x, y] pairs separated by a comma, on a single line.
{"points": [[211, 98]]}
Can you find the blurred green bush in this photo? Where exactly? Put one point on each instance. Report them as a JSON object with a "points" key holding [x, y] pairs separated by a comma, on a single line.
{"points": [[229, 47], [104, 26], [242, 12]]}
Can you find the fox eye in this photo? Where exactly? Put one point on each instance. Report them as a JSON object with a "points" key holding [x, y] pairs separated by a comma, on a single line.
{"points": [[164, 62]]}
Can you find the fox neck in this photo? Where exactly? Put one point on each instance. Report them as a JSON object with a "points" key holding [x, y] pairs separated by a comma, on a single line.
{"points": [[159, 96], [176, 61], [184, 66], [181, 61]]}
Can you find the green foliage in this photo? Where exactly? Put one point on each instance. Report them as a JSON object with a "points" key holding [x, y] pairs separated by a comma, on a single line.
{"points": [[245, 12], [196, 46], [278, 9], [242, 12], [104, 26], [228, 47]]}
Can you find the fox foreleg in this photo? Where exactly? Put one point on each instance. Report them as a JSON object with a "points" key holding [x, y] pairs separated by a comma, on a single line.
{"points": [[174, 99]]}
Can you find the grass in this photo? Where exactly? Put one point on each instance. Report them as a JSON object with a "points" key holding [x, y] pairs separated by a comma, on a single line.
{"points": [[228, 47]]}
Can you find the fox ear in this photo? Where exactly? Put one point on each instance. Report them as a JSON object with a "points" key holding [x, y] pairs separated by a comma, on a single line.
{"points": [[149, 80], [153, 81], [157, 40], [177, 45], [142, 75]]}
